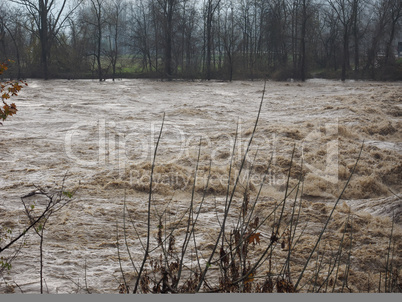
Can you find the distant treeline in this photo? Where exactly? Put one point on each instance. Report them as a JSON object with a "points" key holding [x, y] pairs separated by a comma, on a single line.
{"points": [[209, 39]]}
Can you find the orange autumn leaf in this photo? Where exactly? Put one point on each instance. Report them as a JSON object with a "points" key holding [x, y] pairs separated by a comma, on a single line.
{"points": [[12, 109], [249, 279], [8, 89], [254, 238], [3, 67]]}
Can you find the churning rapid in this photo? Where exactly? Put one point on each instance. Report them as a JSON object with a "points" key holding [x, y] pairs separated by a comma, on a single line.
{"points": [[102, 136]]}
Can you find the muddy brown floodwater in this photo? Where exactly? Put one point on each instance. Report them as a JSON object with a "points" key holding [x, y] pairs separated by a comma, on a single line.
{"points": [[102, 136]]}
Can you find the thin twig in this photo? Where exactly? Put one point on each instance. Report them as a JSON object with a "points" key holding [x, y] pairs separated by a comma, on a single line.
{"points": [[232, 194], [149, 209]]}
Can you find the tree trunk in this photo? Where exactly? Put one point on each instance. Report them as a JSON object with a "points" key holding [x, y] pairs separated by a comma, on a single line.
{"points": [[396, 15], [356, 38], [303, 43], [43, 35], [345, 54], [116, 45], [211, 7], [98, 55], [209, 45], [168, 38]]}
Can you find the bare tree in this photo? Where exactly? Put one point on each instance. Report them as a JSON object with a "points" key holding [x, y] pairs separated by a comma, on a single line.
{"points": [[169, 7], [80, 43], [12, 36], [210, 7], [395, 15], [49, 17], [356, 12], [344, 12], [250, 16], [303, 42], [98, 21], [140, 35], [190, 38], [229, 38], [164, 16], [115, 23], [167, 38]]}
